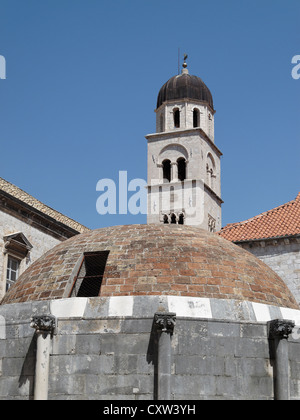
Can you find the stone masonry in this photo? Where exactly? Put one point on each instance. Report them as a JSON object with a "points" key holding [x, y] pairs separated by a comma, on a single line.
{"points": [[42, 226], [40, 241], [282, 256], [96, 357]]}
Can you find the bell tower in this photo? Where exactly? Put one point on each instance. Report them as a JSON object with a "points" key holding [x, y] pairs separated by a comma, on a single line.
{"points": [[184, 171]]}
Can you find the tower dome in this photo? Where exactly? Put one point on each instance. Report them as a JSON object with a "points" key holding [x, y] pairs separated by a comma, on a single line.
{"points": [[185, 86]]}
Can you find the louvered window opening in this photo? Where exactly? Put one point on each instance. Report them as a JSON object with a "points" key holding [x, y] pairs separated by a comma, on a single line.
{"points": [[89, 278]]}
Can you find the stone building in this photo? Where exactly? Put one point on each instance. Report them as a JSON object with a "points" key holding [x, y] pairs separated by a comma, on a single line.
{"points": [[117, 314], [167, 310], [273, 237], [28, 228], [184, 170]]}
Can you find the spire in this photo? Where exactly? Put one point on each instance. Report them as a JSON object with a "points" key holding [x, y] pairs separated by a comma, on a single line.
{"points": [[184, 65]]}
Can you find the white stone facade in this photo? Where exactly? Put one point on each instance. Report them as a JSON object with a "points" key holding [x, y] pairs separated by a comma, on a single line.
{"points": [[28, 229], [194, 200], [282, 256], [40, 241], [165, 117]]}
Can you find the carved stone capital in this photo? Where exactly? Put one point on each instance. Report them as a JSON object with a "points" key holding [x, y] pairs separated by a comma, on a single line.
{"points": [[43, 323], [165, 321], [280, 328]]}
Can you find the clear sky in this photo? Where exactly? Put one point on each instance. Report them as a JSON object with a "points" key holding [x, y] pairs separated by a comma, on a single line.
{"points": [[83, 78]]}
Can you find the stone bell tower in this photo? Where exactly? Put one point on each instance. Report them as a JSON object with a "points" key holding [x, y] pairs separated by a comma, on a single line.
{"points": [[184, 173]]}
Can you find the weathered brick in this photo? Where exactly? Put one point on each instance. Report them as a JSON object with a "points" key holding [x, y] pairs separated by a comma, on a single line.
{"points": [[156, 259]]}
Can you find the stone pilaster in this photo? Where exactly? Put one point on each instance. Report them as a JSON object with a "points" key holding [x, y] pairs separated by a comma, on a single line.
{"points": [[44, 326], [165, 323], [279, 331]]}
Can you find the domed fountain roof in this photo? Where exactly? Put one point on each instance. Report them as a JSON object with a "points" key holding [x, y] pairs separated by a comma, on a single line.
{"points": [[154, 260]]}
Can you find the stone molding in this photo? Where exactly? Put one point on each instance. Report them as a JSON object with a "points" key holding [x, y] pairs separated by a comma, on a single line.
{"points": [[264, 242], [145, 306], [16, 200], [187, 131]]}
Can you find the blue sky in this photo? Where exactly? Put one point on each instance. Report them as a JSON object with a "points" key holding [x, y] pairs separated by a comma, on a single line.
{"points": [[83, 78]]}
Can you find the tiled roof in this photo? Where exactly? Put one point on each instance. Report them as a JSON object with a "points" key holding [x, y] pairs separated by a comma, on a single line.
{"points": [[279, 222], [24, 197]]}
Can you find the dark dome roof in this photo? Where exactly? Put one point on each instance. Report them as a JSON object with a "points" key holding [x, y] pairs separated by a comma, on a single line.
{"points": [[185, 86], [155, 260]]}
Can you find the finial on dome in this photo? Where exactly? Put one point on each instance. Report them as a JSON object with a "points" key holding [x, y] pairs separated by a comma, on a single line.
{"points": [[184, 65]]}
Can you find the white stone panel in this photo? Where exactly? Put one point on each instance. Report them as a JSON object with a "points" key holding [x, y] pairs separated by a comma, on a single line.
{"points": [[185, 306], [68, 308], [120, 306], [262, 312]]}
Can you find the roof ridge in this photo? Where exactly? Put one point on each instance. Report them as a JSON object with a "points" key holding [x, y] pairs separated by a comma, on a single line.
{"points": [[28, 199]]}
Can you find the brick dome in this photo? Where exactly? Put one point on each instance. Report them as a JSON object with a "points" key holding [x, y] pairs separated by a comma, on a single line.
{"points": [[153, 260]]}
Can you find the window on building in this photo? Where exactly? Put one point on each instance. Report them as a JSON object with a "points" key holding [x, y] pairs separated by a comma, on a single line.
{"points": [[176, 116], [17, 245], [173, 218], [88, 281], [12, 271], [17, 249], [181, 169], [181, 219], [196, 118], [167, 170]]}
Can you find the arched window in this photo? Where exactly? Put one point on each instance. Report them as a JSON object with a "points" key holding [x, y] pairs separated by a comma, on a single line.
{"points": [[166, 219], [173, 218], [176, 116], [181, 169], [196, 118], [167, 170], [181, 219]]}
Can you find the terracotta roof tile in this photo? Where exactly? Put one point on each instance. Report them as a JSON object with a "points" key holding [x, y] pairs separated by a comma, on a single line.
{"points": [[279, 222]]}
